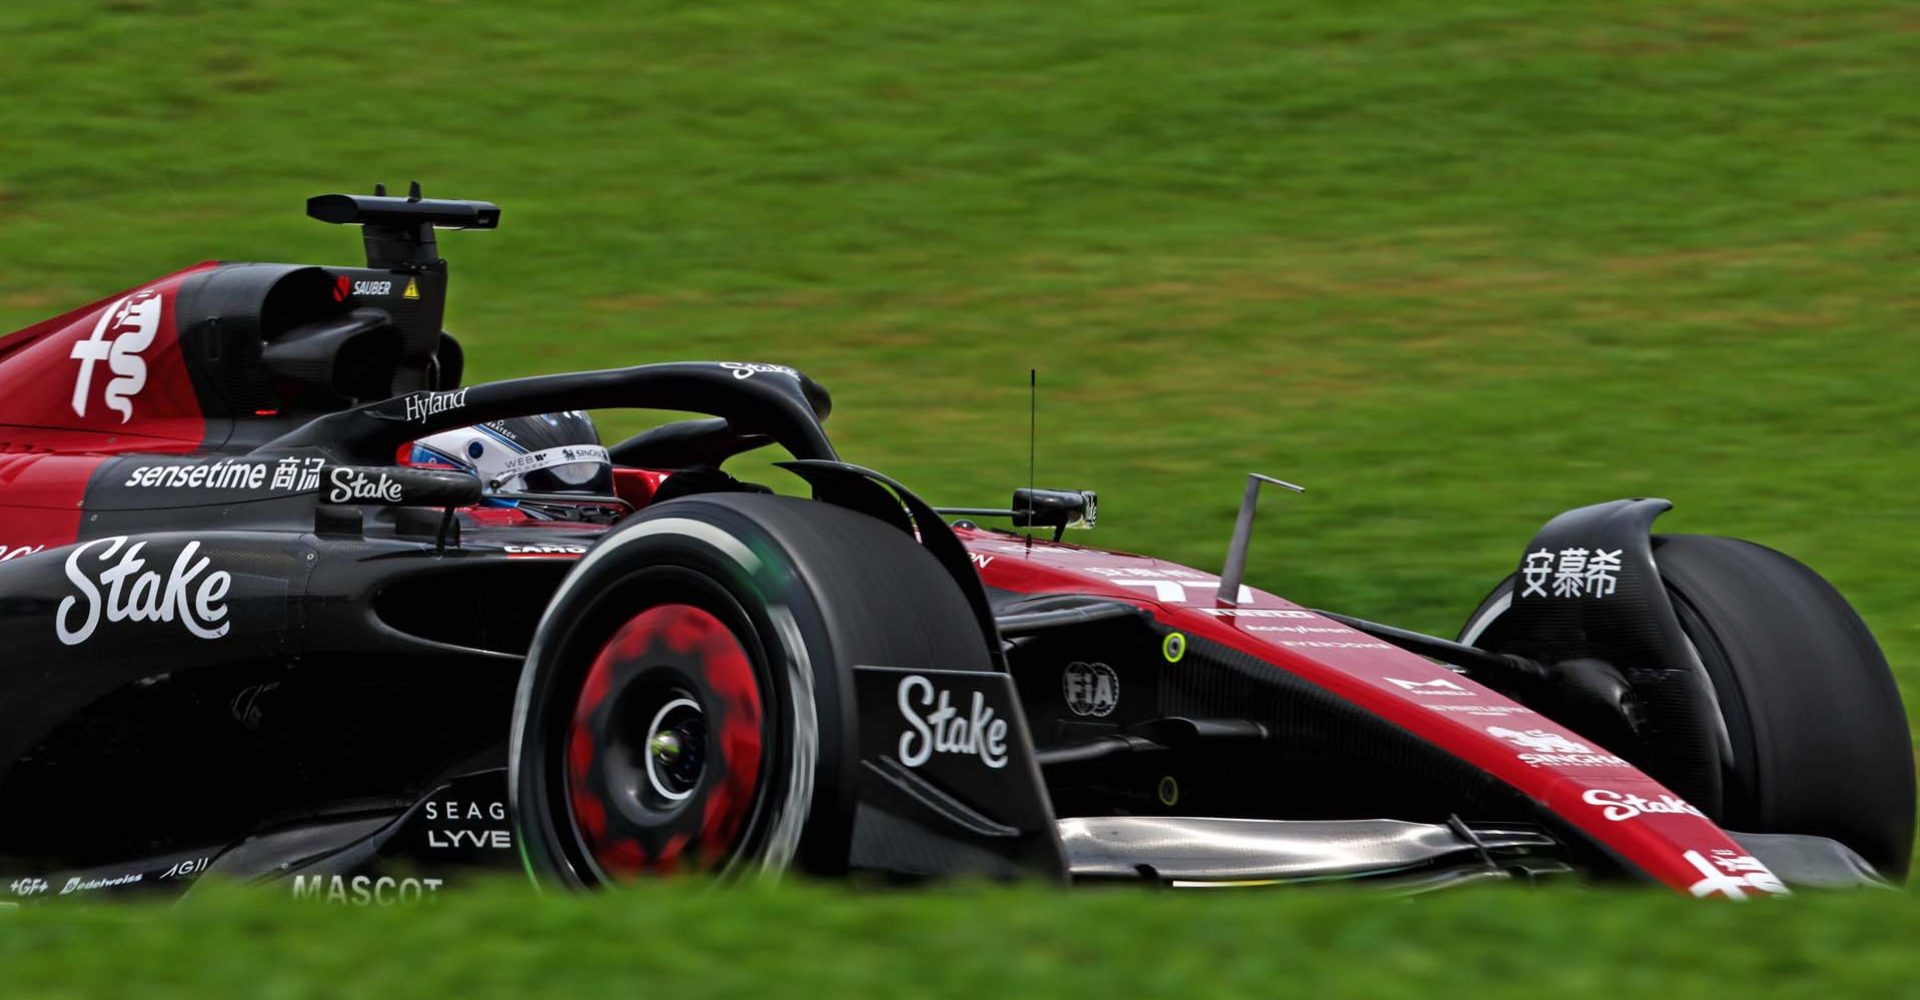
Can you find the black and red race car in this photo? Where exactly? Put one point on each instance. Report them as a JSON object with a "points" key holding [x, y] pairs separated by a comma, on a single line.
{"points": [[241, 634]]}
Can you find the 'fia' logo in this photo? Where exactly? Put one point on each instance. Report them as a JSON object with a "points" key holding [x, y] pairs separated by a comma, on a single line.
{"points": [[199, 602], [125, 329], [1090, 688]]}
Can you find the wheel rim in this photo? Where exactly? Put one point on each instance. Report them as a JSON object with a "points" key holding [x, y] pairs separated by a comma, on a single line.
{"points": [[664, 747]]}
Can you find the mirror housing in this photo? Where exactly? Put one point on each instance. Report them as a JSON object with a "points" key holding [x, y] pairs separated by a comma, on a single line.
{"points": [[1056, 509]]}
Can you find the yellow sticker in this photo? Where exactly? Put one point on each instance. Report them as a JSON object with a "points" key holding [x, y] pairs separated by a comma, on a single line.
{"points": [[413, 290], [1173, 647], [1169, 791]]}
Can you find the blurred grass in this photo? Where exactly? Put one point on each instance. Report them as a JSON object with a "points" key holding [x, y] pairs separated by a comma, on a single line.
{"points": [[1455, 267], [806, 941]]}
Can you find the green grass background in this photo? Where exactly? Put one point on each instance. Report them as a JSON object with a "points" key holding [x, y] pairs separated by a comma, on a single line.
{"points": [[1454, 266]]}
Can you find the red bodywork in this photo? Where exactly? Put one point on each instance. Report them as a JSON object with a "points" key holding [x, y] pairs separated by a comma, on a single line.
{"points": [[104, 379], [1586, 786], [109, 378]]}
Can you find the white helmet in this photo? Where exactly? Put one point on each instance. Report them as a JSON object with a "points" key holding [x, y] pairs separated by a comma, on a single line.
{"points": [[527, 461]]}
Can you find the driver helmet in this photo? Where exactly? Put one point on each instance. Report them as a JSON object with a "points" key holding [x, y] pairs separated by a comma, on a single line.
{"points": [[550, 465]]}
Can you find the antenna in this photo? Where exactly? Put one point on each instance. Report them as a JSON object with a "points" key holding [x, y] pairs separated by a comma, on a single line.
{"points": [[1236, 568], [1033, 439]]}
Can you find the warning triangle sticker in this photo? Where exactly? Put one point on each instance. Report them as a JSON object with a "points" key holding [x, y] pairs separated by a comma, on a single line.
{"points": [[413, 290]]}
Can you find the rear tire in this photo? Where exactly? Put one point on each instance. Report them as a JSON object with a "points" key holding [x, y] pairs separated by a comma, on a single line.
{"points": [[688, 698], [1817, 736]]}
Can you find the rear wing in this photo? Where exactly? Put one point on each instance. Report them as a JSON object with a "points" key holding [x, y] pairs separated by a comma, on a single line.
{"points": [[399, 231]]}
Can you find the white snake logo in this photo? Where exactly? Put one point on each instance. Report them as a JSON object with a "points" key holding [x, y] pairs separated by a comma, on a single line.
{"points": [[132, 323]]}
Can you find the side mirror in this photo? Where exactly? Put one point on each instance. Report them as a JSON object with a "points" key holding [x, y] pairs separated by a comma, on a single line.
{"points": [[1056, 509], [394, 486]]}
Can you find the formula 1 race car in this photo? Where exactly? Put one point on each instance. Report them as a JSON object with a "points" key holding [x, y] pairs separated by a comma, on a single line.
{"points": [[259, 621]]}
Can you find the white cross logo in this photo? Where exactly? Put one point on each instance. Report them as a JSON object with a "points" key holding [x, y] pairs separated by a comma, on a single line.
{"points": [[1176, 590], [1731, 875]]}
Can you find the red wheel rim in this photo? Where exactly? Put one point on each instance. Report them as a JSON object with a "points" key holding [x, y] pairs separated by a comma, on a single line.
{"points": [[664, 745]]}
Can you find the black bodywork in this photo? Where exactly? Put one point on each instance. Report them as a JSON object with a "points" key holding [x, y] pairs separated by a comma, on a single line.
{"points": [[348, 732]]}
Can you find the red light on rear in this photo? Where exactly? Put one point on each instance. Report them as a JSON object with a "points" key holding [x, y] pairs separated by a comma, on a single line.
{"points": [[265, 413]]}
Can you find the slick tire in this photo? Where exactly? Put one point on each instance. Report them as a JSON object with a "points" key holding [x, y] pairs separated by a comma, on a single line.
{"points": [[687, 702], [1818, 736]]}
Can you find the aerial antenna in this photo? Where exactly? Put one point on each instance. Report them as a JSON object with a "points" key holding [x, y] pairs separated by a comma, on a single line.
{"points": [[1236, 568], [1062, 509], [1033, 439]]}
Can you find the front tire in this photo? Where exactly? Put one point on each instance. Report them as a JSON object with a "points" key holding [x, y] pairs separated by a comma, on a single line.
{"points": [[1817, 740], [687, 702]]}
